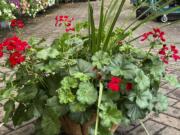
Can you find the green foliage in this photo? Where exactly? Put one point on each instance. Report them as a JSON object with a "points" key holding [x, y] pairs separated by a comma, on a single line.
{"points": [[81, 25], [74, 41], [65, 96], [142, 99], [77, 107], [69, 82], [83, 67], [109, 114], [9, 108], [86, 94], [6, 94], [47, 53], [6, 10], [134, 112], [110, 96], [81, 76], [100, 59], [63, 79], [27, 93], [172, 79], [49, 124], [160, 103], [55, 106], [121, 67], [142, 80], [22, 114]]}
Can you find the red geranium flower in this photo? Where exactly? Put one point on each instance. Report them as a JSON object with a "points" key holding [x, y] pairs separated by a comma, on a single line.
{"points": [[113, 86], [176, 57], [116, 79], [166, 53], [13, 23], [17, 23], [1, 54], [20, 24], [14, 43], [1, 50], [164, 59], [156, 34], [163, 50], [114, 83], [129, 86], [15, 47], [174, 49], [67, 21], [16, 58]]}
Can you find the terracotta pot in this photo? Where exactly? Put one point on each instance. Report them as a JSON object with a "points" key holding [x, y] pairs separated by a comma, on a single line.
{"points": [[72, 128]]}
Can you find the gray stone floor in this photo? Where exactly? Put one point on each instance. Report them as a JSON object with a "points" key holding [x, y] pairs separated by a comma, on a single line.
{"points": [[167, 123]]}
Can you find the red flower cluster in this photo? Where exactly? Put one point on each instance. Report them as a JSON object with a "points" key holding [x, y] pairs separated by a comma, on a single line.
{"points": [[66, 21], [17, 23], [115, 82], [156, 34], [15, 49], [167, 52]]}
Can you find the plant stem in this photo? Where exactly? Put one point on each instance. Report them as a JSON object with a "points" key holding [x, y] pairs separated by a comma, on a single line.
{"points": [[99, 103], [142, 124]]}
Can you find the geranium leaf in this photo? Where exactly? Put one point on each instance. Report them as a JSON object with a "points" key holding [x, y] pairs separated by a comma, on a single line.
{"points": [[50, 123], [65, 96], [86, 93], [121, 67], [28, 92], [161, 103], [22, 114], [48, 52], [77, 107], [53, 53], [109, 114], [143, 99], [69, 82], [129, 70], [53, 103], [74, 41], [115, 65], [43, 54], [157, 68], [8, 108], [172, 79], [142, 80], [134, 112], [84, 67], [100, 59], [81, 76]]}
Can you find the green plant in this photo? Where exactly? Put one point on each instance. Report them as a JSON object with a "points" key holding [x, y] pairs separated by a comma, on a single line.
{"points": [[84, 75], [6, 10]]}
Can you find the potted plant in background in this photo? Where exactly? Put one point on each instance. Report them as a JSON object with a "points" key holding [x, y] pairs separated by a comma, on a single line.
{"points": [[85, 83], [6, 13]]}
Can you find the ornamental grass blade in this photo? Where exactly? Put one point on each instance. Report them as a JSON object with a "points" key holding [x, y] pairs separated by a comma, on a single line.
{"points": [[109, 11], [106, 42], [101, 26], [92, 30]]}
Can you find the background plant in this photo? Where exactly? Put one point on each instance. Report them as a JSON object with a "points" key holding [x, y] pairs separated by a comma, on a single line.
{"points": [[6, 10]]}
